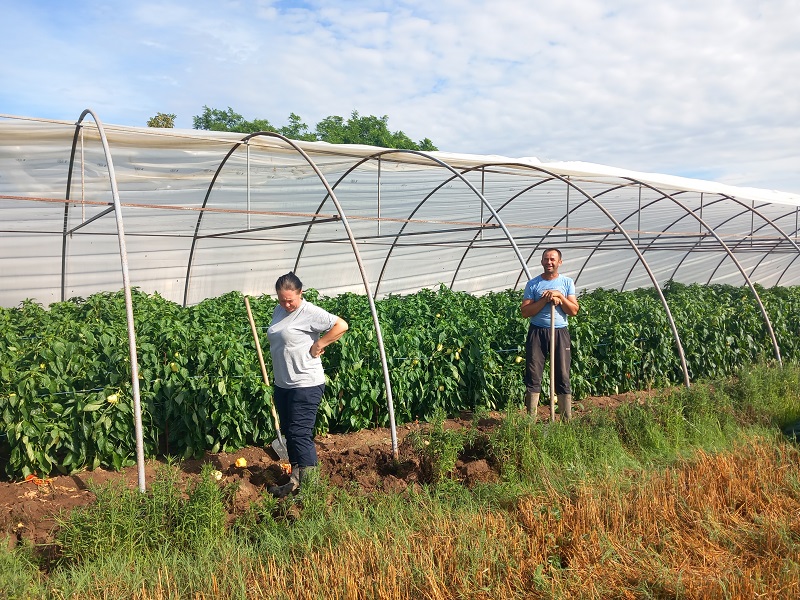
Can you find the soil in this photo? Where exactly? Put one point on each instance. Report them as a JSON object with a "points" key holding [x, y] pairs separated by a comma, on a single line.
{"points": [[362, 462]]}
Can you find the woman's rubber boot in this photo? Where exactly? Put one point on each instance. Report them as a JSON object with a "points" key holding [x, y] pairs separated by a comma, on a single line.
{"points": [[532, 403], [281, 491], [309, 475], [565, 406]]}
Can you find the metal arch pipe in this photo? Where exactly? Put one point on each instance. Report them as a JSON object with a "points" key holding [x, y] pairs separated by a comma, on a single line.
{"points": [[591, 254], [195, 236], [399, 234], [689, 213], [123, 255], [695, 245], [605, 237], [655, 239], [767, 223], [479, 232], [719, 264], [771, 222], [730, 255], [633, 246], [636, 212], [356, 253], [320, 207], [455, 175], [791, 263], [64, 236], [484, 201]]}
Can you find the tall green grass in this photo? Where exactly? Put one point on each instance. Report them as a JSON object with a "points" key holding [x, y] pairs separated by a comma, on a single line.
{"points": [[443, 540]]}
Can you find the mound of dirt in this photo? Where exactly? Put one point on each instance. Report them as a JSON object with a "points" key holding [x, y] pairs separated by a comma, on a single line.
{"points": [[361, 462]]}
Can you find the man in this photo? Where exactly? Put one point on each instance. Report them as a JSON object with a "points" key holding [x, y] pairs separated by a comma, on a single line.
{"points": [[540, 292]]}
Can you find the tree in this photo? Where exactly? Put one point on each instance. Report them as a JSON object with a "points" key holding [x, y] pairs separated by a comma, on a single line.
{"points": [[163, 120], [214, 119], [370, 130], [297, 130]]}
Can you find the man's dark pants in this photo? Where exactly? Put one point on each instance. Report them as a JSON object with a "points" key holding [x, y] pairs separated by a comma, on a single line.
{"points": [[537, 349]]}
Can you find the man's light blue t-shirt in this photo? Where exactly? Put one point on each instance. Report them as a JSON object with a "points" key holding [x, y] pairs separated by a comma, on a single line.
{"points": [[534, 290]]}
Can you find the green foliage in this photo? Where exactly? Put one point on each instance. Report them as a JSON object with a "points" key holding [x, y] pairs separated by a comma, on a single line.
{"points": [[162, 120], [19, 571], [439, 448], [214, 119], [641, 435], [133, 524], [65, 384], [369, 130]]}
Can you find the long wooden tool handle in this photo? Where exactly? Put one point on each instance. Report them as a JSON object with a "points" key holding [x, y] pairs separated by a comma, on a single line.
{"points": [[552, 362], [261, 362]]}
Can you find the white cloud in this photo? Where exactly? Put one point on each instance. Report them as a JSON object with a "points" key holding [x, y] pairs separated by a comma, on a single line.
{"points": [[701, 87]]}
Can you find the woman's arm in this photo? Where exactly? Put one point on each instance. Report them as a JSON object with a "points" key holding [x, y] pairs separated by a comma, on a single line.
{"points": [[329, 337]]}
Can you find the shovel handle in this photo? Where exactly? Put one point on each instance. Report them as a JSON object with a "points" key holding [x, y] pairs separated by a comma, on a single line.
{"points": [[261, 362], [552, 361]]}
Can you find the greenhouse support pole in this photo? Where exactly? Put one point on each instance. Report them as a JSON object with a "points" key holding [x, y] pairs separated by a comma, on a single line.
{"points": [[353, 244], [83, 182], [370, 299], [123, 254], [483, 193], [379, 197], [248, 185], [638, 218], [566, 215], [733, 259], [372, 309]]}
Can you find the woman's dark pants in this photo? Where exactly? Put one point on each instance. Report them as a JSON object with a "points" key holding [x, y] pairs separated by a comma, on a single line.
{"points": [[297, 411]]}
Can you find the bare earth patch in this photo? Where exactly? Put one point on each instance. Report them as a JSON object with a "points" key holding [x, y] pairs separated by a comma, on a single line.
{"points": [[361, 462]]}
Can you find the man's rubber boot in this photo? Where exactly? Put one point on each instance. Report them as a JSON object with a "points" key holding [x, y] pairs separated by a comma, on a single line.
{"points": [[532, 403], [565, 406], [281, 491]]}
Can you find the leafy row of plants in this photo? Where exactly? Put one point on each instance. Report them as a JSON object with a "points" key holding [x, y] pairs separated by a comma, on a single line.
{"points": [[65, 391]]}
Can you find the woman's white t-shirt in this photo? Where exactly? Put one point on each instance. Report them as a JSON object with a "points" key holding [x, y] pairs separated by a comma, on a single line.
{"points": [[291, 335]]}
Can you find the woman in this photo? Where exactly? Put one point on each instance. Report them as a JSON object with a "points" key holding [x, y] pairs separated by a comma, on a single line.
{"points": [[298, 335]]}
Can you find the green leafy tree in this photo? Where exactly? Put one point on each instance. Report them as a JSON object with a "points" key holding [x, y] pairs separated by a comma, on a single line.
{"points": [[214, 119], [162, 120], [332, 130], [297, 130], [368, 130]]}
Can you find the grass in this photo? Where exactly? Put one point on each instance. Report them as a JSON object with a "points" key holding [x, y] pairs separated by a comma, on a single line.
{"points": [[693, 494]]}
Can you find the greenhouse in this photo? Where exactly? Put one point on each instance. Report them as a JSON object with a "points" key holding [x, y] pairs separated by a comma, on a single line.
{"points": [[206, 212], [191, 215]]}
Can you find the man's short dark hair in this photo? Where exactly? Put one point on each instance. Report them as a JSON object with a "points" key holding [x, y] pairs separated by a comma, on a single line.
{"points": [[553, 250]]}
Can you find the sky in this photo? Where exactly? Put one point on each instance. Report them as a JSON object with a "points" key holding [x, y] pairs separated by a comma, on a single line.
{"points": [[707, 89]]}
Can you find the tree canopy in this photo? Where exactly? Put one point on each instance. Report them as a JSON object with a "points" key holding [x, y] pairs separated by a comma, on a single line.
{"points": [[369, 130], [162, 120]]}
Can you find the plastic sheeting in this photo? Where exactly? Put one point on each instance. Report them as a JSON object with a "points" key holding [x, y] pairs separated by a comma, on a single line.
{"points": [[206, 213]]}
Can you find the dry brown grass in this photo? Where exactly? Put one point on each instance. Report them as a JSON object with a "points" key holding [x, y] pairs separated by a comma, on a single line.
{"points": [[724, 526]]}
